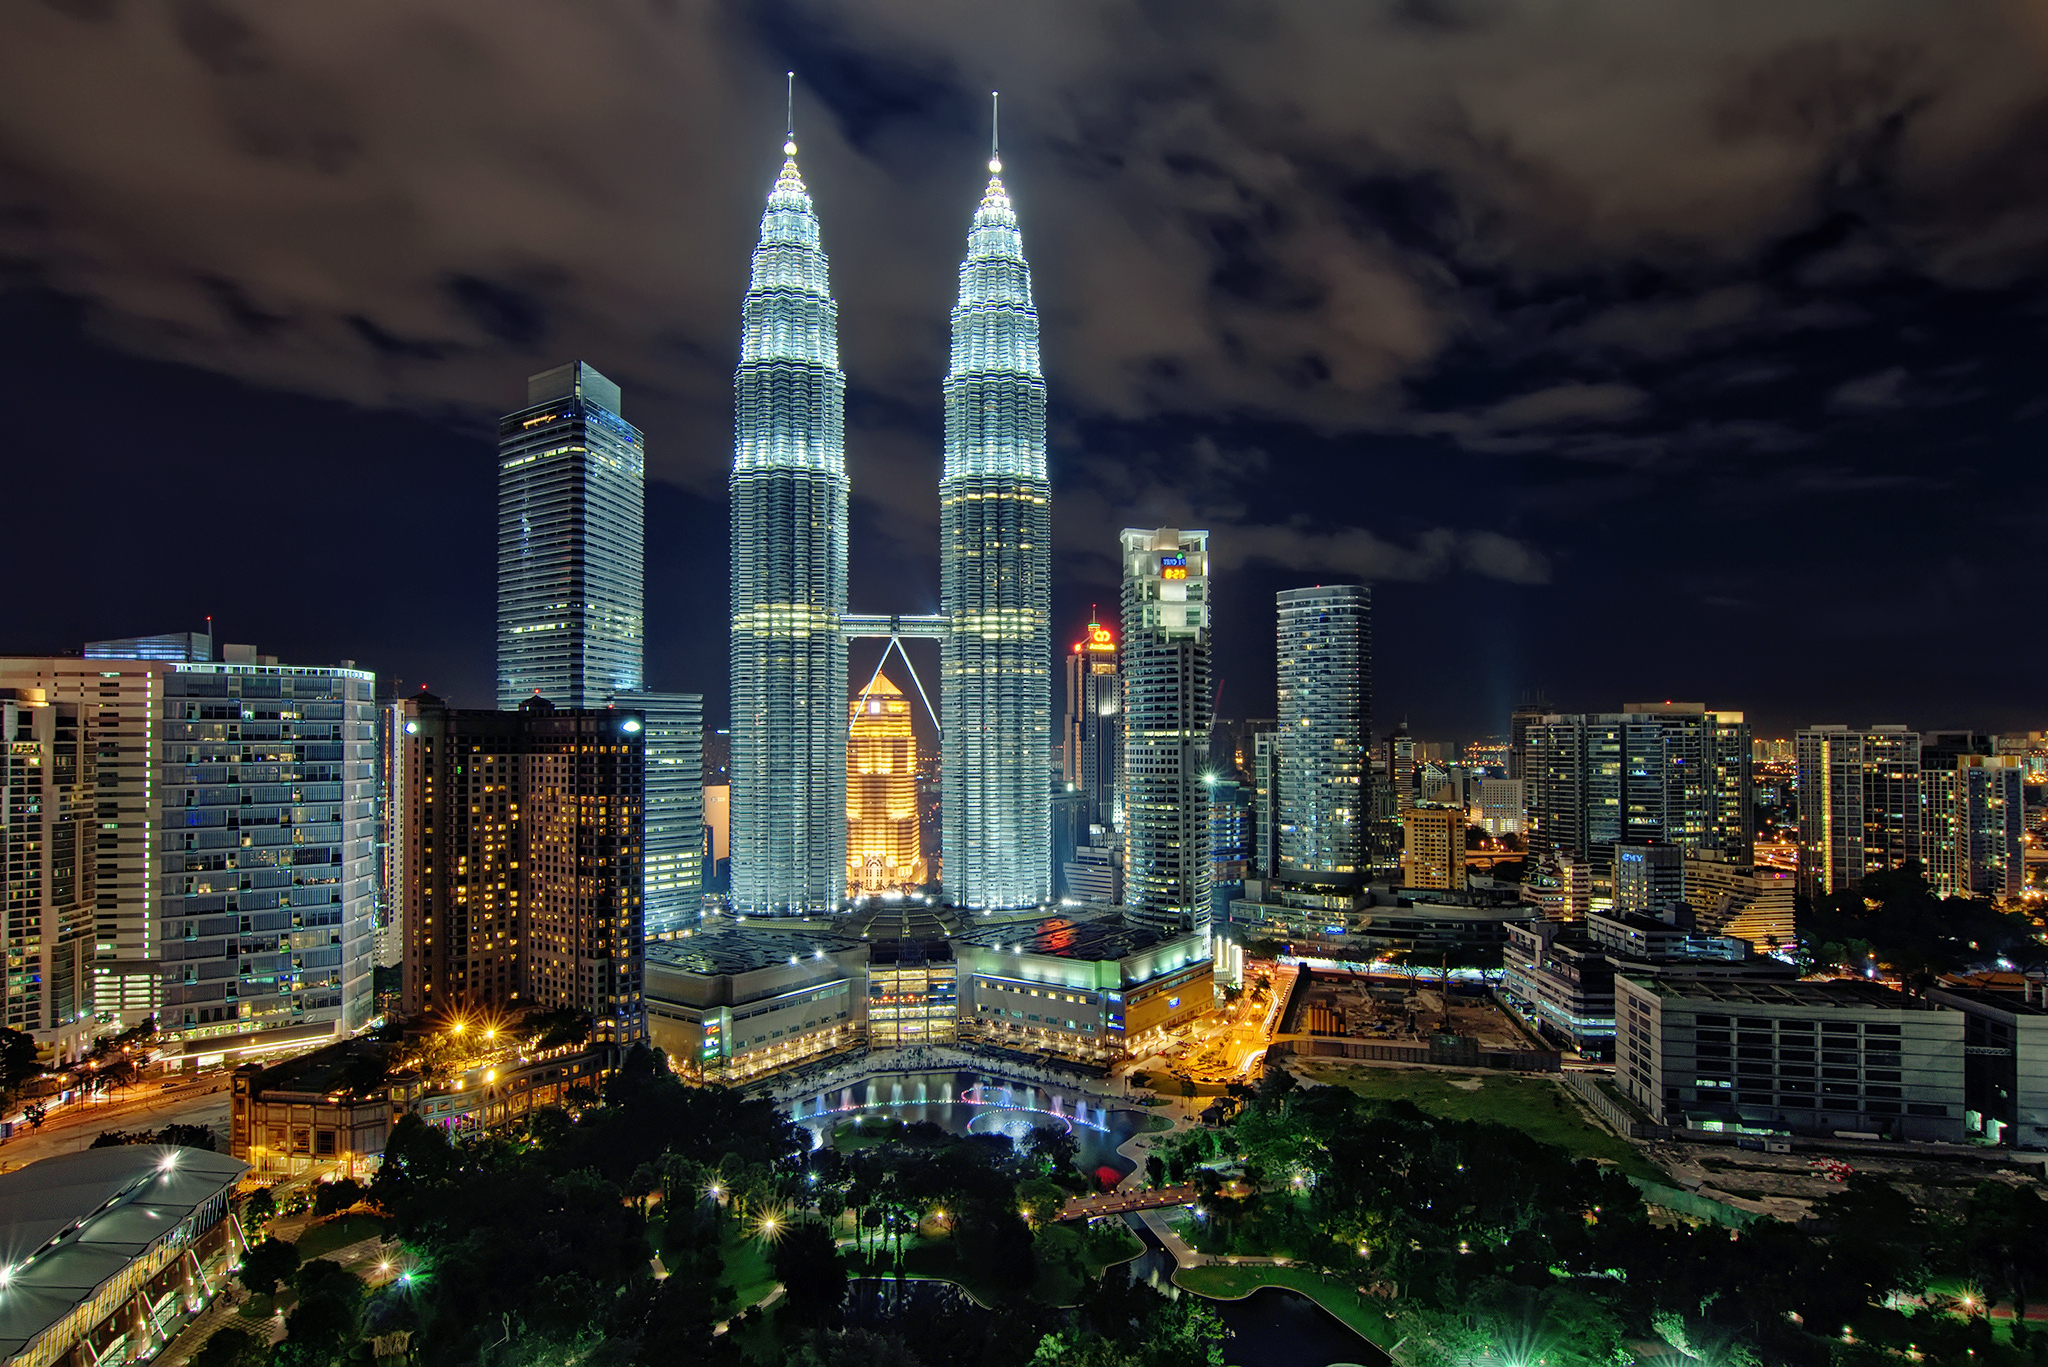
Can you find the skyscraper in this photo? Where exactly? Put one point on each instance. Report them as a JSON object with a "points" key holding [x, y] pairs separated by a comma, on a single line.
{"points": [[673, 885], [1972, 831], [1859, 803], [571, 498], [1670, 772], [995, 580], [1324, 642], [48, 759], [522, 848], [789, 495], [883, 850], [1166, 726], [1094, 726]]}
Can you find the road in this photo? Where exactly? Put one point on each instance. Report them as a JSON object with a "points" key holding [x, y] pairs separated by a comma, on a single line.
{"points": [[203, 1100]]}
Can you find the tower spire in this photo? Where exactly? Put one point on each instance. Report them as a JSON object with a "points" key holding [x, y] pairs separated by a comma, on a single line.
{"points": [[995, 141], [789, 108]]}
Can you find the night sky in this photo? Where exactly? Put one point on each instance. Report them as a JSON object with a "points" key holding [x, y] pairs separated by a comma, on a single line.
{"points": [[1631, 350]]}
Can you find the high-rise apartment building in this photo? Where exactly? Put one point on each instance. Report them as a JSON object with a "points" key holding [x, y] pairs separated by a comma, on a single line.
{"points": [[571, 515], [884, 851], [268, 872], [1265, 769], [1972, 824], [1091, 750], [1859, 803], [1323, 638], [1672, 772], [1753, 902], [48, 759], [789, 494], [522, 846], [1433, 849], [673, 879], [1167, 701], [995, 580]]}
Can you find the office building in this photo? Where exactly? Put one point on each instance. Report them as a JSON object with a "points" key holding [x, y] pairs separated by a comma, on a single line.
{"points": [[1972, 824], [884, 852], [788, 495], [1230, 834], [1323, 640], [1559, 887], [672, 896], [269, 794], [1521, 722], [1090, 988], [1093, 874], [523, 855], [177, 646], [1265, 783], [1859, 804], [1676, 773], [1092, 751], [1497, 806], [571, 475], [118, 1250], [1842, 1057], [995, 580], [1648, 879], [122, 700], [1754, 902], [48, 777], [1433, 852], [1166, 726]]}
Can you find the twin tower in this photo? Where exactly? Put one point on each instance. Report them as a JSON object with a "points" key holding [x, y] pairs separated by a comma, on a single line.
{"points": [[790, 625]]}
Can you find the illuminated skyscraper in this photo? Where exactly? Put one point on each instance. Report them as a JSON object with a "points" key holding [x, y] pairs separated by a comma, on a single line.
{"points": [[571, 499], [1092, 748], [882, 842], [673, 884], [789, 496], [48, 772], [1166, 726], [995, 568], [1324, 640], [1859, 804]]}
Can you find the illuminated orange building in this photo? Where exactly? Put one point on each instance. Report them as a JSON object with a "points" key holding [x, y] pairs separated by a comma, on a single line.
{"points": [[883, 850]]}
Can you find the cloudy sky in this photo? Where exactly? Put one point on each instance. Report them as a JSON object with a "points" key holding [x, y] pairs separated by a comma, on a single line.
{"points": [[1631, 350]]}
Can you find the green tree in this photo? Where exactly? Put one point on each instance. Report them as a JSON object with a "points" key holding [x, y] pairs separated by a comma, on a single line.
{"points": [[232, 1347], [331, 1198], [324, 1326], [17, 1060], [267, 1263], [2004, 1239], [807, 1264], [1041, 1199]]}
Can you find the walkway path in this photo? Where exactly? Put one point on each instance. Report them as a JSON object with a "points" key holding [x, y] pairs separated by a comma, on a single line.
{"points": [[1126, 1199]]}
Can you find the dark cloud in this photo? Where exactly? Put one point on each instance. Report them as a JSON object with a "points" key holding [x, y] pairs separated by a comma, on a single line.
{"points": [[1435, 292]]}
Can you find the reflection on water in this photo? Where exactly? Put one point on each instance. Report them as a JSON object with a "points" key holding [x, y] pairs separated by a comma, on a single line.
{"points": [[1097, 1138]]}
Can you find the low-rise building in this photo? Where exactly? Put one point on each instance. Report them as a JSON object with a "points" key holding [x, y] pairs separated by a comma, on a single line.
{"points": [[112, 1251], [2005, 1059], [1380, 921], [1737, 897], [1843, 1057], [1091, 989], [731, 1001]]}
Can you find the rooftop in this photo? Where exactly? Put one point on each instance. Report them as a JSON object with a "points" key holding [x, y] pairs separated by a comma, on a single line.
{"points": [[1836, 994], [1066, 937], [69, 1223], [729, 949], [333, 1068]]}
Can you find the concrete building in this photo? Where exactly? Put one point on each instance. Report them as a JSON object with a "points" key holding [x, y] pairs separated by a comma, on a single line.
{"points": [[1093, 989], [1648, 878], [1433, 848], [1859, 803], [1559, 887], [48, 777], [114, 1251], [1842, 1057], [1973, 826], [733, 1002], [1754, 902], [1167, 700], [523, 856], [1091, 754], [1381, 921], [2005, 1065], [1675, 773], [1498, 807]]}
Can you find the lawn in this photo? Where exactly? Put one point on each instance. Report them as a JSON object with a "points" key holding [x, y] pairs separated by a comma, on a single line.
{"points": [[1224, 1282], [322, 1239], [1536, 1106], [746, 1267]]}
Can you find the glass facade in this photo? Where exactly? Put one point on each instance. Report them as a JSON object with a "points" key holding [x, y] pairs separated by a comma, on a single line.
{"points": [[268, 874], [1166, 727], [789, 492], [1324, 641], [995, 581], [673, 878], [571, 514], [912, 999]]}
